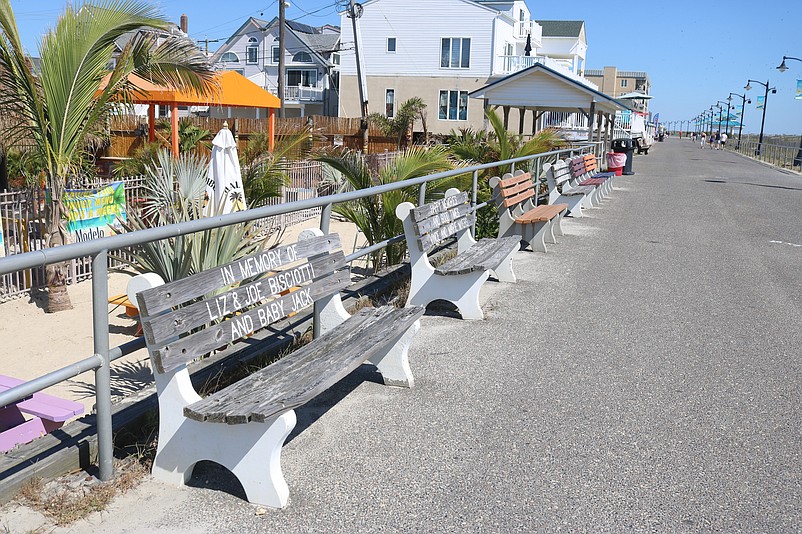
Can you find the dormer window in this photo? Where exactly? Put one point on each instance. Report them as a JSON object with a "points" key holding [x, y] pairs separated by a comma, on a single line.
{"points": [[252, 51]]}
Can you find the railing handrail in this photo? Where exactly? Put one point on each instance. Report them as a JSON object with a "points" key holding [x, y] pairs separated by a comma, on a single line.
{"points": [[37, 258]]}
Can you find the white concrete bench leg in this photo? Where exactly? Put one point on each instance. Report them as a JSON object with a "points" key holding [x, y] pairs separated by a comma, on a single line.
{"points": [[557, 225], [252, 452], [504, 271], [461, 290], [394, 363]]}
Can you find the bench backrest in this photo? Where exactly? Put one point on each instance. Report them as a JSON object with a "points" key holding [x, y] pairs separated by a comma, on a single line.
{"points": [[512, 190], [557, 174], [188, 318], [577, 166], [591, 163], [441, 219]]}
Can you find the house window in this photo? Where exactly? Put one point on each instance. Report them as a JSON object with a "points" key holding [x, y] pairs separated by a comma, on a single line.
{"points": [[508, 49], [252, 52], [453, 106], [335, 58], [302, 57], [302, 77], [389, 103], [624, 83], [521, 16], [455, 53], [229, 57], [391, 44], [276, 54]]}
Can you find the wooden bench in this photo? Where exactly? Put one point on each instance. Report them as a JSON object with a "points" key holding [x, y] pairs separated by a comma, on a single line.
{"points": [[515, 197], [558, 177], [579, 178], [642, 145], [459, 279], [592, 170], [47, 412], [244, 425]]}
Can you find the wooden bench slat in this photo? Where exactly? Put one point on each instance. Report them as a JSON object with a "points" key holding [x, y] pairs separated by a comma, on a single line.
{"points": [[163, 327], [519, 198], [439, 206], [542, 213], [43, 405], [430, 223], [515, 180], [430, 240], [307, 372], [170, 295], [485, 254], [212, 337], [507, 192]]}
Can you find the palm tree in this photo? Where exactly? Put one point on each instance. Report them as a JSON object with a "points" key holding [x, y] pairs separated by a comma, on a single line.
{"points": [[63, 105], [399, 126], [375, 216]]}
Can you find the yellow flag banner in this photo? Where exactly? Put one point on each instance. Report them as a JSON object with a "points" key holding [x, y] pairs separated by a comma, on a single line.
{"points": [[95, 213]]}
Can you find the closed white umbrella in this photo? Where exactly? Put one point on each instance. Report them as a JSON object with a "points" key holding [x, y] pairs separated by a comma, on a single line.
{"points": [[224, 192]]}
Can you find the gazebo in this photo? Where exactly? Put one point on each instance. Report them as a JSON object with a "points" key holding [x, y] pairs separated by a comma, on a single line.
{"points": [[540, 89], [232, 90]]}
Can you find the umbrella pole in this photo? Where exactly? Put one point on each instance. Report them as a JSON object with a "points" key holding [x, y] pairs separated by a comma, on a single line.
{"points": [[151, 123], [271, 125]]}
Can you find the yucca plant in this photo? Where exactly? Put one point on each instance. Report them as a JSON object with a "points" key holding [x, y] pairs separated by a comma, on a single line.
{"points": [[375, 215], [65, 105], [176, 192]]}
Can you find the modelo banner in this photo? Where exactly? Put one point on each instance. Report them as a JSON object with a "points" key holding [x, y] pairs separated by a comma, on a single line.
{"points": [[95, 213]]}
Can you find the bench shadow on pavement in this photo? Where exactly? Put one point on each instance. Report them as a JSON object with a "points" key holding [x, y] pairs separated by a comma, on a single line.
{"points": [[712, 181]]}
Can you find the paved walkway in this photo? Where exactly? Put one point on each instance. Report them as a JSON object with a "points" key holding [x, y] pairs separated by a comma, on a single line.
{"points": [[642, 375]]}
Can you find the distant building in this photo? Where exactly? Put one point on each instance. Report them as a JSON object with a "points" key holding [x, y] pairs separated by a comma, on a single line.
{"points": [[442, 51], [616, 83], [311, 58]]}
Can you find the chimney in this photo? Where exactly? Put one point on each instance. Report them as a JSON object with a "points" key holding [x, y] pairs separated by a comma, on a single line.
{"points": [[184, 24]]}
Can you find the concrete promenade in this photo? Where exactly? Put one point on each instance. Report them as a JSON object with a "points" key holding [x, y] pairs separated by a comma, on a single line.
{"points": [[644, 375]]}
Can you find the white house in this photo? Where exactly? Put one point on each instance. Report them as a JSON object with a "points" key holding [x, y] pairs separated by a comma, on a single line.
{"points": [[310, 56], [441, 51]]}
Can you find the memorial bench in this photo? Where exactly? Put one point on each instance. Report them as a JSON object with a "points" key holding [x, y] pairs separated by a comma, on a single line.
{"points": [[514, 196], [47, 412], [558, 178], [459, 279], [244, 425]]}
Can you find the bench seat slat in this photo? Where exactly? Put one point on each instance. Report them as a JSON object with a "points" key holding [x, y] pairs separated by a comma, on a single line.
{"points": [[485, 254], [307, 372], [542, 213], [43, 405]]}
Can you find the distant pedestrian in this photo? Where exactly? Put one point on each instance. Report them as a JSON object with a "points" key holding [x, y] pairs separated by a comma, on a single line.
{"points": [[712, 140], [702, 140], [723, 139]]}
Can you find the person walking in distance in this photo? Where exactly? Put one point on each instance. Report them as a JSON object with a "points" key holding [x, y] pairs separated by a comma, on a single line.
{"points": [[702, 140]]}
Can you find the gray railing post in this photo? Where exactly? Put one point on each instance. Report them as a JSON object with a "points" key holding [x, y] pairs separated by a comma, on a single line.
{"points": [[422, 195], [100, 333], [475, 188], [325, 224]]}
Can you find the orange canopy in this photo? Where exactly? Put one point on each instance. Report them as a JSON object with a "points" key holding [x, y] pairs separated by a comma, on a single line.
{"points": [[232, 89]]}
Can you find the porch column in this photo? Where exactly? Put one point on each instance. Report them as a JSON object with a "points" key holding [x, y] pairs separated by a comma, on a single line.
{"points": [[521, 117], [534, 121], [485, 107], [151, 122], [506, 116], [174, 124]]}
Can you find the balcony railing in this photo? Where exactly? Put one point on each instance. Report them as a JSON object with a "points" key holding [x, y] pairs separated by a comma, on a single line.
{"points": [[529, 27], [300, 93], [512, 64]]}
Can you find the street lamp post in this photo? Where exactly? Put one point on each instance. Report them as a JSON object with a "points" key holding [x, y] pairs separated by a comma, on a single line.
{"points": [[782, 68], [720, 109], [740, 122], [765, 102]]}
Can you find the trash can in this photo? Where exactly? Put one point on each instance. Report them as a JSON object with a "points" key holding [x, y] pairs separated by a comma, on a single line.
{"points": [[625, 146], [616, 162]]}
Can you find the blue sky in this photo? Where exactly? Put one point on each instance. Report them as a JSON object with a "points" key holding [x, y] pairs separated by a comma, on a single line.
{"points": [[696, 52]]}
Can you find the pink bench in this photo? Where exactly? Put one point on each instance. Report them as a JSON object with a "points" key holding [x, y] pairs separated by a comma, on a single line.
{"points": [[48, 413]]}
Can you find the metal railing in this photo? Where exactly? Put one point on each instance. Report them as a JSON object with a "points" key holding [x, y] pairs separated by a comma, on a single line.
{"points": [[784, 156], [98, 250]]}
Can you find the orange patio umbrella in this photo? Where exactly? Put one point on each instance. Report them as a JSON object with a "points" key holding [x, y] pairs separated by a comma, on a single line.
{"points": [[232, 90]]}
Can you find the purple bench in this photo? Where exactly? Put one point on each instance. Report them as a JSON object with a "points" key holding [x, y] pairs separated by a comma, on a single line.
{"points": [[48, 413]]}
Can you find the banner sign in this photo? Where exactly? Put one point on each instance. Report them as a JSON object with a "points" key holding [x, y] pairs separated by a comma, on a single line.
{"points": [[798, 90], [95, 213], [760, 101]]}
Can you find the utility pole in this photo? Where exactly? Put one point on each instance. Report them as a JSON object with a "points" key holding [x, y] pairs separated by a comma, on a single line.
{"points": [[354, 13], [281, 67], [206, 44]]}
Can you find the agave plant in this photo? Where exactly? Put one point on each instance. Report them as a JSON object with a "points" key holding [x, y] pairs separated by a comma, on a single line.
{"points": [[176, 192], [64, 105], [375, 215]]}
